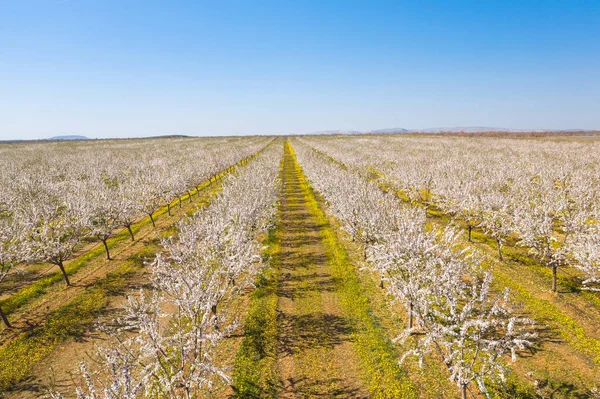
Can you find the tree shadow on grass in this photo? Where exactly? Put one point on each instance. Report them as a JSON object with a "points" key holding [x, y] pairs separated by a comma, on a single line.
{"points": [[310, 331], [302, 388]]}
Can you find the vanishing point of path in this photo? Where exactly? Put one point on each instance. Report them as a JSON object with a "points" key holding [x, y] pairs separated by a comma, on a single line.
{"points": [[315, 355]]}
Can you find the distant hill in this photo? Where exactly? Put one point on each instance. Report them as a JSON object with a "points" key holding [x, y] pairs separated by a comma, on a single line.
{"points": [[338, 132], [459, 129], [390, 130], [69, 137], [466, 129], [170, 136]]}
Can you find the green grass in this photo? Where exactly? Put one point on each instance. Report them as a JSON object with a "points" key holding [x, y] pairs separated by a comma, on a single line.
{"points": [[569, 330], [255, 371]]}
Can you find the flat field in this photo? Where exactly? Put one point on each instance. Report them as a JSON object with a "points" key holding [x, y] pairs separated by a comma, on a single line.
{"points": [[367, 266]]}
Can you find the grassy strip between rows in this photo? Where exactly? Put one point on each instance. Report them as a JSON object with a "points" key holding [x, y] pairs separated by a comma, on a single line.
{"points": [[376, 354], [18, 357], [38, 288], [567, 327]]}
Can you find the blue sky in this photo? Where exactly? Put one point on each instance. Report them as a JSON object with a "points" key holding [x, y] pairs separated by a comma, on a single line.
{"points": [[128, 68]]}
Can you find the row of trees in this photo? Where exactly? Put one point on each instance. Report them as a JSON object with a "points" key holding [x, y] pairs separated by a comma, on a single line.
{"points": [[56, 196], [541, 195], [451, 309], [165, 343]]}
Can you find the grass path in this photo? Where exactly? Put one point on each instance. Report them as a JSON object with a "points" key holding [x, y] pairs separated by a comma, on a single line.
{"points": [[315, 351]]}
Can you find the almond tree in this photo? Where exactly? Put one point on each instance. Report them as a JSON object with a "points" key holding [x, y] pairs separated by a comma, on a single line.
{"points": [[104, 214], [11, 252], [403, 257], [463, 202], [128, 209], [458, 317], [469, 328], [584, 249], [535, 221], [149, 195], [57, 228], [218, 253], [497, 219]]}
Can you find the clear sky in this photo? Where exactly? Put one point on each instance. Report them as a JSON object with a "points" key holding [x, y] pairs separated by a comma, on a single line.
{"points": [[128, 68]]}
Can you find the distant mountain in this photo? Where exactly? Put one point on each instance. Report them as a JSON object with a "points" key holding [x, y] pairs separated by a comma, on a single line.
{"points": [[169, 136], [466, 129], [459, 129], [69, 137], [338, 132], [390, 130], [485, 129]]}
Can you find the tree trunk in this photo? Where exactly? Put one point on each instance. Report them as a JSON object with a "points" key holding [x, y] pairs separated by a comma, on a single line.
{"points": [[410, 315], [179, 199], [470, 228], [106, 248], [4, 319], [554, 271], [152, 219], [381, 285], [190, 195], [64, 272], [213, 309], [169, 209], [130, 232], [463, 391], [499, 250]]}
